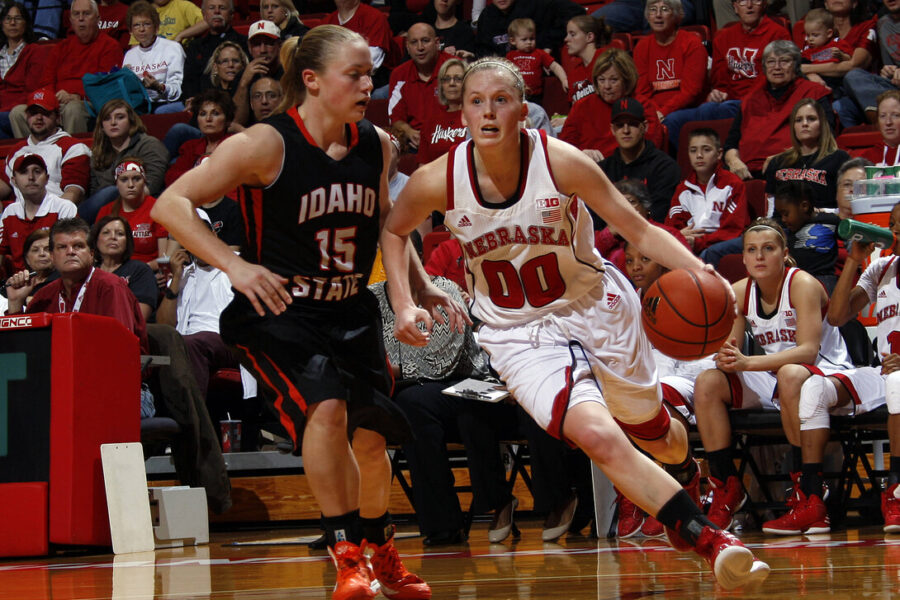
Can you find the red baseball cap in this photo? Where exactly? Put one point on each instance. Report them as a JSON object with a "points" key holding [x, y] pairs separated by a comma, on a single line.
{"points": [[29, 158], [44, 97]]}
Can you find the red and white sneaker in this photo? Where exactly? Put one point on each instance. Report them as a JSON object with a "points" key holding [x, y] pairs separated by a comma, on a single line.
{"points": [[806, 515], [354, 573], [890, 509], [631, 518], [396, 581], [727, 499], [733, 564], [693, 487]]}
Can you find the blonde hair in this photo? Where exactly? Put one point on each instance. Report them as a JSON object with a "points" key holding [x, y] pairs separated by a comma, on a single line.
{"points": [[820, 16], [312, 53], [765, 223], [442, 72], [498, 64], [519, 27], [102, 151], [211, 63], [624, 64]]}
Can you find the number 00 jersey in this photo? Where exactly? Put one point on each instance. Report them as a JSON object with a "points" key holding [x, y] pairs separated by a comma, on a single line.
{"points": [[530, 255], [318, 223]]}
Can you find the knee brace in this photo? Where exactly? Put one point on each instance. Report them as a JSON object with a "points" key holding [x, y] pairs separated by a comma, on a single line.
{"points": [[817, 396], [892, 392]]}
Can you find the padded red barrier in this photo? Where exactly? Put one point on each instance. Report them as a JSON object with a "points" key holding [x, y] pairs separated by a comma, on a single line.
{"points": [[23, 528]]}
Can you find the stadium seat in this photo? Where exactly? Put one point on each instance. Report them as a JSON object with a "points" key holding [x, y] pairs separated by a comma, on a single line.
{"points": [[622, 40], [158, 125], [757, 204], [731, 267], [377, 113], [857, 141]]}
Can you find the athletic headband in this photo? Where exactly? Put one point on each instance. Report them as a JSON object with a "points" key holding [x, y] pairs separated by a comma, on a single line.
{"points": [[130, 165], [476, 66], [759, 226]]}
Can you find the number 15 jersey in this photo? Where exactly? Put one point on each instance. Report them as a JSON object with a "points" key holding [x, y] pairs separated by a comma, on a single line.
{"points": [[528, 256]]}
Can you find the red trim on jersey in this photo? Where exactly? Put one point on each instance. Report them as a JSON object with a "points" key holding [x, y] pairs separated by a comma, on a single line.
{"points": [[750, 284], [884, 270], [737, 390], [848, 384], [354, 135], [789, 277], [813, 369], [256, 199], [295, 115], [450, 163], [543, 138], [560, 406], [654, 429], [523, 171], [285, 419]]}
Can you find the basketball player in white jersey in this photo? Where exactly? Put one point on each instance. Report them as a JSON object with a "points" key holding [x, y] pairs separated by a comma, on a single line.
{"points": [[561, 328], [783, 306], [879, 284]]}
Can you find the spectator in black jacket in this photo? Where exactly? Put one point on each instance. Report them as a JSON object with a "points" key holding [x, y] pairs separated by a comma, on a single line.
{"points": [[550, 15], [638, 159], [218, 14]]}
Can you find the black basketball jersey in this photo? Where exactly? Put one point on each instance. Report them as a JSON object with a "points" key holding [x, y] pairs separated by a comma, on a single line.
{"points": [[318, 223]]}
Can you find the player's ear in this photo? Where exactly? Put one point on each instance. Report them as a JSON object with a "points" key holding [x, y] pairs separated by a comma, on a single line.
{"points": [[524, 110]]}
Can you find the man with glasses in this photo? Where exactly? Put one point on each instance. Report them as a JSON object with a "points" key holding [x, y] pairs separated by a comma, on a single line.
{"points": [[264, 40], [761, 128], [265, 96], [218, 15], [87, 51], [736, 65]]}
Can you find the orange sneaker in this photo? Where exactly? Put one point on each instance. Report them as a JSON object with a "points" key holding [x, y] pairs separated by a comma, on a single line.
{"points": [[396, 582], [354, 573]]}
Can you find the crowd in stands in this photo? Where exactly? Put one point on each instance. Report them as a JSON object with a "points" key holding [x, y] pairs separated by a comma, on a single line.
{"points": [[774, 93]]}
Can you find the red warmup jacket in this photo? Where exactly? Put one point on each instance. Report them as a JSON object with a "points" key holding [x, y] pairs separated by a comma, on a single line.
{"points": [[720, 208], [764, 120], [70, 60], [413, 100], [673, 76], [587, 126], [439, 133], [21, 79], [372, 24], [737, 56]]}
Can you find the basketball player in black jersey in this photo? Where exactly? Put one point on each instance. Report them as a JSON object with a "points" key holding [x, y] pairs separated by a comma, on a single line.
{"points": [[314, 195]]}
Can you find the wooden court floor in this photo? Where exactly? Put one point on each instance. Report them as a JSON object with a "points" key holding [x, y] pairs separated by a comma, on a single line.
{"points": [[856, 563]]}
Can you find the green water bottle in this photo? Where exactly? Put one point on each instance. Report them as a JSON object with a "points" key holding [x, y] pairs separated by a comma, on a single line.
{"points": [[865, 233]]}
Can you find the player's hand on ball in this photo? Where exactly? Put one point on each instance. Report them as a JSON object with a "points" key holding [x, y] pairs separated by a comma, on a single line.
{"points": [[407, 329], [710, 269]]}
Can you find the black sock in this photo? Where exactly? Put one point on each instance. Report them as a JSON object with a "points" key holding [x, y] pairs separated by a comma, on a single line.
{"points": [[681, 514], [343, 528], [811, 479], [894, 475], [796, 458], [721, 464], [378, 530], [683, 473]]}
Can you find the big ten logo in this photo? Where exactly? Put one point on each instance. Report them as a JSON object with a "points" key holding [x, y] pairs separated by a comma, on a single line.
{"points": [[13, 367]]}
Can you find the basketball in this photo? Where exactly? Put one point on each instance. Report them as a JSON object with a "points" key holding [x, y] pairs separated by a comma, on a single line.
{"points": [[687, 314]]}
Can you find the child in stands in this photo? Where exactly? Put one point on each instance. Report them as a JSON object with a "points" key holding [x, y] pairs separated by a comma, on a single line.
{"points": [[532, 60]]}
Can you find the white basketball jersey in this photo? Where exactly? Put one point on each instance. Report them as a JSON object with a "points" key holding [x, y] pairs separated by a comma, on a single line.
{"points": [[881, 282], [778, 332], [530, 255]]}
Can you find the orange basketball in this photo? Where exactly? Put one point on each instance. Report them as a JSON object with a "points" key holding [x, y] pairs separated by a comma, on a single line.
{"points": [[687, 314]]}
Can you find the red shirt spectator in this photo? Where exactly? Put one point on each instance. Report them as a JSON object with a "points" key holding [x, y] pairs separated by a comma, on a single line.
{"points": [[104, 294], [15, 225], [112, 19], [588, 125], [719, 207], [532, 65], [440, 132], [412, 98], [70, 59], [581, 84], [145, 231], [447, 261], [737, 55], [674, 75], [368, 22], [21, 78]]}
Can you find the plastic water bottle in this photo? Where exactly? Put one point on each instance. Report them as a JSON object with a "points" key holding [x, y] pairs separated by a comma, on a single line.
{"points": [[865, 233]]}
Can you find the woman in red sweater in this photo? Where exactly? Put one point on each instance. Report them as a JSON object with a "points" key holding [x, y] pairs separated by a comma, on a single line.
{"points": [[214, 110], [19, 70], [443, 129], [588, 124], [888, 152], [671, 62]]}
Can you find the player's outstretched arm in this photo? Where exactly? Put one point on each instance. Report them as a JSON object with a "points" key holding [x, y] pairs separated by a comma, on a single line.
{"points": [[424, 193], [251, 157]]}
